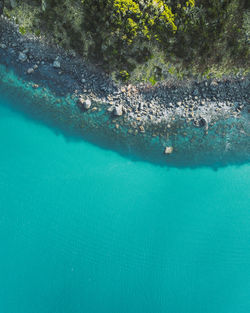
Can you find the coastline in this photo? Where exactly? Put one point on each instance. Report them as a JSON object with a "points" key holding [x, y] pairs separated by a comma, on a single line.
{"points": [[176, 122]]}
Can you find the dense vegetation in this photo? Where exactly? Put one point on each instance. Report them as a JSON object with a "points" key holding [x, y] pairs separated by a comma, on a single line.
{"points": [[147, 39]]}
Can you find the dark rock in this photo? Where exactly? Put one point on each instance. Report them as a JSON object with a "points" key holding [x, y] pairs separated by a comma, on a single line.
{"points": [[1, 6]]}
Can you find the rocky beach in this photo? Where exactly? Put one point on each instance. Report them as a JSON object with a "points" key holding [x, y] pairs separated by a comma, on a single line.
{"points": [[174, 122]]}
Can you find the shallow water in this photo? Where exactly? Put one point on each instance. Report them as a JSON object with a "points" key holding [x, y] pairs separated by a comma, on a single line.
{"points": [[83, 229]]}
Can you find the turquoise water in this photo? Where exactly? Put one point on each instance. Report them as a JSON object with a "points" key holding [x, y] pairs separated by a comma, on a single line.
{"points": [[85, 230]]}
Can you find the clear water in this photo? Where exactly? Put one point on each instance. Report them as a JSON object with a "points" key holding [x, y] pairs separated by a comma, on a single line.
{"points": [[85, 230]]}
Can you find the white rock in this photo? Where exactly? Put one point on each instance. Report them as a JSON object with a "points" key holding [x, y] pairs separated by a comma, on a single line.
{"points": [[56, 64], [87, 104], [118, 110], [35, 67], [168, 150], [3, 46], [30, 70], [22, 57], [83, 80]]}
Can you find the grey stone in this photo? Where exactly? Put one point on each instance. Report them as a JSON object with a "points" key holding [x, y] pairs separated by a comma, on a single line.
{"points": [[30, 70], [56, 64], [22, 57], [3, 46]]}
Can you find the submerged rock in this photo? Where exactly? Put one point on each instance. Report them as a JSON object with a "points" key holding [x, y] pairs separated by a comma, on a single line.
{"points": [[56, 64], [168, 150], [22, 57], [30, 70]]}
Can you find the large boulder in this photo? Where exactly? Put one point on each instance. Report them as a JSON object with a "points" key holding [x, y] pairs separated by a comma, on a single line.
{"points": [[118, 110], [85, 103]]}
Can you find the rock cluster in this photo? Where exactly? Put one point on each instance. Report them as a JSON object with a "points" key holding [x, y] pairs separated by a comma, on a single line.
{"points": [[159, 111]]}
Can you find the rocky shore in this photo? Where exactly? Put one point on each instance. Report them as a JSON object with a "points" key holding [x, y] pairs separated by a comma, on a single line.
{"points": [[181, 122]]}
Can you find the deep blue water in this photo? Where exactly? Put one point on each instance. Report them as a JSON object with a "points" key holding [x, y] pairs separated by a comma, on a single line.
{"points": [[85, 230]]}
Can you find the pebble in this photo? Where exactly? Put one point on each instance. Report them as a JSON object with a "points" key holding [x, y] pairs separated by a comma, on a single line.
{"points": [[142, 129]]}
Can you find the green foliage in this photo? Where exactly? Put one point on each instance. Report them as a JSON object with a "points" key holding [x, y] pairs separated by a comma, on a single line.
{"points": [[7, 13], [37, 32], [153, 80], [22, 30], [121, 30], [209, 37], [124, 75]]}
